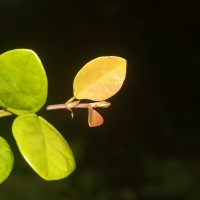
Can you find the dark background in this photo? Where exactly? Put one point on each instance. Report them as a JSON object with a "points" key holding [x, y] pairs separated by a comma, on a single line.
{"points": [[148, 147]]}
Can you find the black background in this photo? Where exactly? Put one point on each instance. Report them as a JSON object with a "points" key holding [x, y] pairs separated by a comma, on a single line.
{"points": [[148, 147]]}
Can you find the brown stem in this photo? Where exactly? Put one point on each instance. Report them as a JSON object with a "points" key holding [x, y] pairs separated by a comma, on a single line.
{"points": [[102, 104], [63, 106], [56, 107]]}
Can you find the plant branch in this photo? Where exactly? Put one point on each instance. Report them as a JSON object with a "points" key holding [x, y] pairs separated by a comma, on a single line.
{"points": [[4, 113], [77, 104], [64, 106], [56, 107]]}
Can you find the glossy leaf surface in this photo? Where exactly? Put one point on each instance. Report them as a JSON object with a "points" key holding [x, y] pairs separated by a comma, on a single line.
{"points": [[43, 147], [6, 160], [100, 78], [23, 82]]}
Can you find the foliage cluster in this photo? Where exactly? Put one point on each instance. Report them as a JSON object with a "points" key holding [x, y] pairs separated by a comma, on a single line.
{"points": [[23, 92]]}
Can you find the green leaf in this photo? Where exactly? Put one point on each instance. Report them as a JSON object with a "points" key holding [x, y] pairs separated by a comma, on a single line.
{"points": [[43, 147], [6, 160], [100, 78], [23, 82]]}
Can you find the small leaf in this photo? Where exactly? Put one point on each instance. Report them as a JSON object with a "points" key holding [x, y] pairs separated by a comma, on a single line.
{"points": [[94, 118], [6, 160], [23, 82], [43, 147], [100, 78]]}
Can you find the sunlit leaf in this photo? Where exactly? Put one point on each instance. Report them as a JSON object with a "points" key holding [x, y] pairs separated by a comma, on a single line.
{"points": [[100, 78], [43, 147], [6, 160], [94, 118], [23, 82]]}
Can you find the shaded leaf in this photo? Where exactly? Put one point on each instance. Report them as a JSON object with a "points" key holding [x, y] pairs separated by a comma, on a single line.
{"points": [[43, 147], [6, 160], [23, 82], [100, 78], [94, 118]]}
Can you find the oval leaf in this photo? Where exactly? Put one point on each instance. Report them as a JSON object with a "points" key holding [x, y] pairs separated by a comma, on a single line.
{"points": [[100, 78], [43, 147], [23, 82], [6, 160]]}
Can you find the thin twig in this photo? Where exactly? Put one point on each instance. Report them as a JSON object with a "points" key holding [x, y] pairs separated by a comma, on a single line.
{"points": [[56, 107], [102, 104], [64, 106], [4, 113]]}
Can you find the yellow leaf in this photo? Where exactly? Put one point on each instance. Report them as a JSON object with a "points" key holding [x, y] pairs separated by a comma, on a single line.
{"points": [[100, 78], [94, 118]]}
